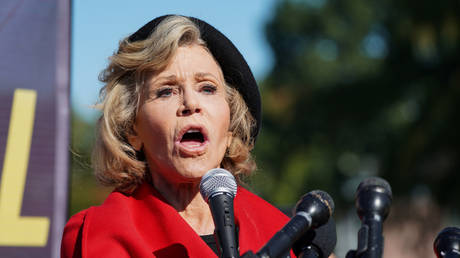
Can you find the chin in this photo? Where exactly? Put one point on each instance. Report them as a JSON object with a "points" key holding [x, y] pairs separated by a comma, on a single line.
{"points": [[195, 171]]}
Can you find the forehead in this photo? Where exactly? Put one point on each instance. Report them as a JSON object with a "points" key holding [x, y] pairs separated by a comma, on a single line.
{"points": [[192, 60]]}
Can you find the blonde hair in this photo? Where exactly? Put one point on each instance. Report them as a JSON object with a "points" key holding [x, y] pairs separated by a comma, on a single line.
{"points": [[115, 161]]}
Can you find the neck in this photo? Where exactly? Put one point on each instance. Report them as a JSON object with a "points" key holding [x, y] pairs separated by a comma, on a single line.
{"points": [[188, 202]]}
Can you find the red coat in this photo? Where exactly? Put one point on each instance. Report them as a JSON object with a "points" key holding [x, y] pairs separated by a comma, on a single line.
{"points": [[145, 225]]}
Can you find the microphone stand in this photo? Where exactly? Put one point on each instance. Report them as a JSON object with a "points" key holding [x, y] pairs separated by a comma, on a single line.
{"points": [[370, 241], [373, 200]]}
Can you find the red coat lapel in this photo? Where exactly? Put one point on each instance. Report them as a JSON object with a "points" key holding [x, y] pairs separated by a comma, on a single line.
{"points": [[144, 224]]}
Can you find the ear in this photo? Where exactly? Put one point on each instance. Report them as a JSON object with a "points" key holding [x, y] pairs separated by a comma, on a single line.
{"points": [[135, 140], [229, 139]]}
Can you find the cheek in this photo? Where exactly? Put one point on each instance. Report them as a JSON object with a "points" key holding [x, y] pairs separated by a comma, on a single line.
{"points": [[223, 120], [154, 126], [220, 111]]}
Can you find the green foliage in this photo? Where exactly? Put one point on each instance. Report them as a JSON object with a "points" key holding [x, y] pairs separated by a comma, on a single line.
{"points": [[84, 191], [361, 88]]}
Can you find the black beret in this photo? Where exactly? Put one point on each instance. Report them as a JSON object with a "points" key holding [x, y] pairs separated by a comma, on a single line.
{"points": [[236, 71]]}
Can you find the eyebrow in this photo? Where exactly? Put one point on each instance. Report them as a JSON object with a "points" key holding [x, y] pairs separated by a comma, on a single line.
{"points": [[174, 78], [165, 78], [203, 75]]}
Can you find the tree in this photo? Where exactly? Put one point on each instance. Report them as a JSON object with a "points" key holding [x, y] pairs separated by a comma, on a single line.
{"points": [[361, 88], [84, 190]]}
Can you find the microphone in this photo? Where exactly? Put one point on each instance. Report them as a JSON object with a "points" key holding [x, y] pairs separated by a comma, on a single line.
{"points": [[218, 188], [372, 201], [447, 243], [317, 243], [312, 211]]}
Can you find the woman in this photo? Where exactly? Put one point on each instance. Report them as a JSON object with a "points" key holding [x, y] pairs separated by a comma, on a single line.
{"points": [[179, 100]]}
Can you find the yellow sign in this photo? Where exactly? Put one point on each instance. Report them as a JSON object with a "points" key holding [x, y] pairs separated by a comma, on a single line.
{"points": [[14, 229]]}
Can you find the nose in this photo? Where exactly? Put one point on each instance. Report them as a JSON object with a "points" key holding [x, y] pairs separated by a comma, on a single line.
{"points": [[190, 104]]}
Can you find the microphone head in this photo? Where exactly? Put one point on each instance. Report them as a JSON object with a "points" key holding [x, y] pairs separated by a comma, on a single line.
{"points": [[319, 241], [318, 204], [375, 184], [217, 181], [447, 242], [373, 196]]}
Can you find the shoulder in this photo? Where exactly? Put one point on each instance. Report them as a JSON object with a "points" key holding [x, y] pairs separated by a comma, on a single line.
{"points": [[249, 201], [257, 219], [77, 226], [72, 235], [254, 208], [111, 229]]}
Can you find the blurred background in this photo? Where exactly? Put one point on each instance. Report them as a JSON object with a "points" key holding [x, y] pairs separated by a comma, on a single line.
{"points": [[350, 89]]}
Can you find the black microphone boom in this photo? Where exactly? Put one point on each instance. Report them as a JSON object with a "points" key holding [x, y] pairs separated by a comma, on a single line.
{"points": [[312, 211], [447, 243], [218, 187]]}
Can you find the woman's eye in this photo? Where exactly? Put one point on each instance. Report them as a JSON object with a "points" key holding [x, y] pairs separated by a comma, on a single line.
{"points": [[209, 89], [164, 92]]}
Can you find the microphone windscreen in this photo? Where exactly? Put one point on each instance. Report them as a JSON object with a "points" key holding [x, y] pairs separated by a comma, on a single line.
{"points": [[217, 181], [447, 241], [318, 196], [375, 184], [326, 198], [323, 240]]}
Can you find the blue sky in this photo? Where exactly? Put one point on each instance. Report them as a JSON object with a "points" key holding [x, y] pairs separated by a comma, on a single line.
{"points": [[97, 26]]}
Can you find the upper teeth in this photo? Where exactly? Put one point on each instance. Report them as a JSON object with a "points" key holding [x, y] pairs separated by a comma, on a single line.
{"points": [[193, 131]]}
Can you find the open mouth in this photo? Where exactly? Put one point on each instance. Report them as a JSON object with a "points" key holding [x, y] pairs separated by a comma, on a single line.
{"points": [[192, 140], [192, 136]]}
